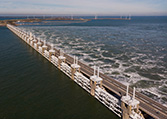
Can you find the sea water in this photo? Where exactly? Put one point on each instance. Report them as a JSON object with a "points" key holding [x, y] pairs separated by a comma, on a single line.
{"points": [[130, 51], [32, 88]]}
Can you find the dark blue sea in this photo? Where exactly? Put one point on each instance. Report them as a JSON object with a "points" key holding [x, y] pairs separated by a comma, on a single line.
{"points": [[131, 51]]}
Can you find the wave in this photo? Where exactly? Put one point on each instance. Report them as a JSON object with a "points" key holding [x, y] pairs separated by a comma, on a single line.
{"points": [[124, 58]]}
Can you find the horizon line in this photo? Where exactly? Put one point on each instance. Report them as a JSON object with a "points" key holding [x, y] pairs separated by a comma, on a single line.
{"points": [[82, 14]]}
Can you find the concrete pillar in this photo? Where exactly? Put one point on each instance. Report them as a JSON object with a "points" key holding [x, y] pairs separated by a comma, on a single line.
{"points": [[125, 104], [95, 81], [30, 38], [24, 38], [131, 105], [129, 109], [73, 70], [23, 34], [61, 59], [137, 109], [125, 114], [34, 41], [93, 87], [44, 47], [74, 67], [27, 38], [51, 52], [39, 44]]}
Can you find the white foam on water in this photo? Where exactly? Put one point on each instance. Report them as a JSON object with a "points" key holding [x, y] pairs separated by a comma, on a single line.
{"points": [[151, 90], [73, 43]]}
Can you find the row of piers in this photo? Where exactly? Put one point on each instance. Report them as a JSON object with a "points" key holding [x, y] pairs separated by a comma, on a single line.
{"points": [[127, 107]]}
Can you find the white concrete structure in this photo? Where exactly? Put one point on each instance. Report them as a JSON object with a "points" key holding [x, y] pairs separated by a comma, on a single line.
{"points": [[95, 81], [51, 52], [74, 67], [39, 43], [44, 47], [61, 59], [129, 108]]}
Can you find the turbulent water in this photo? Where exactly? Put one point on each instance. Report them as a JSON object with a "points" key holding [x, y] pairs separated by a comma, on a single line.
{"points": [[133, 51]]}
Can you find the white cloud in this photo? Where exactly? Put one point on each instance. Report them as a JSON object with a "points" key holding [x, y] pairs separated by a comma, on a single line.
{"points": [[83, 7]]}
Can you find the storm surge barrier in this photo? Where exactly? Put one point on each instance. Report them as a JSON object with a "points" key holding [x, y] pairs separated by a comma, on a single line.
{"points": [[124, 105]]}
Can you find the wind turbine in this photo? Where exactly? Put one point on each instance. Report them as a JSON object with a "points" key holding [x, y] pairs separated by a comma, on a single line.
{"points": [[96, 16], [129, 17]]}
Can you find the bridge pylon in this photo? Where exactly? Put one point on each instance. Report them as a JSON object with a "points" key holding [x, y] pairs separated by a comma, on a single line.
{"points": [[24, 36], [44, 47], [130, 106], [61, 59], [30, 38], [51, 52], [74, 67], [34, 41], [95, 81], [39, 44]]}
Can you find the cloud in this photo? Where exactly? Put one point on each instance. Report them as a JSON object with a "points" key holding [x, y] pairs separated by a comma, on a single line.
{"points": [[84, 6]]}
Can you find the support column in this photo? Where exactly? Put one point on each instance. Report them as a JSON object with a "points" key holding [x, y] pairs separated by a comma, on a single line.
{"points": [[30, 38], [44, 47], [124, 105], [61, 59], [129, 105], [74, 67], [33, 42], [39, 44], [51, 52], [27, 38], [24, 37], [95, 81]]}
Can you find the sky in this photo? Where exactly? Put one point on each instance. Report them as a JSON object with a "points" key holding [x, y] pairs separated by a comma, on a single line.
{"points": [[84, 7]]}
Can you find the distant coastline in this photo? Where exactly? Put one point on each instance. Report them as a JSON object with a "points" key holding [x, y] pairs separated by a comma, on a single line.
{"points": [[33, 20], [13, 21]]}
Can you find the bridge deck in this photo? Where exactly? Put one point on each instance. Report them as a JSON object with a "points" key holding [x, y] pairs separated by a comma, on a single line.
{"points": [[147, 105]]}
